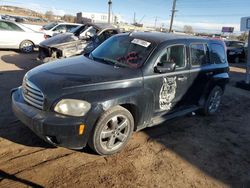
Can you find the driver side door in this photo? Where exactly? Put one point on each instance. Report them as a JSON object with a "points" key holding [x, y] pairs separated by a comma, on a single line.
{"points": [[170, 87]]}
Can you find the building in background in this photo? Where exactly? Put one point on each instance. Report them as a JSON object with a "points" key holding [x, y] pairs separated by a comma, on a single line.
{"points": [[82, 17]]}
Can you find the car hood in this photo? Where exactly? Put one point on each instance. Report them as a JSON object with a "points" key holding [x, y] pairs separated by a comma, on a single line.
{"points": [[59, 39], [78, 72]]}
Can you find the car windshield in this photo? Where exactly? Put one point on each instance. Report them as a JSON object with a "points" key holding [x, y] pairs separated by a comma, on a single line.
{"points": [[49, 26], [123, 50]]}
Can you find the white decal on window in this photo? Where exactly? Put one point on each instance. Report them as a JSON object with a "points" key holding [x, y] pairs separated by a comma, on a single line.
{"points": [[167, 93], [141, 42]]}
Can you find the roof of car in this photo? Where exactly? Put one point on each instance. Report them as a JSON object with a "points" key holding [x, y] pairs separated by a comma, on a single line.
{"points": [[159, 37], [68, 23], [101, 26]]}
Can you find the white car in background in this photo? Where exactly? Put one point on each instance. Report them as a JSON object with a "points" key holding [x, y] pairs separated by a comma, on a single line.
{"points": [[16, 36], [54, 28]]}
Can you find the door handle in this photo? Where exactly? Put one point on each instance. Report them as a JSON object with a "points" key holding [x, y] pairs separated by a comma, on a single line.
{"points": [[182, 78]]}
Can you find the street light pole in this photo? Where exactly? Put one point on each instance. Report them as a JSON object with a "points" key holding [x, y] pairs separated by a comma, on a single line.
{"points": [[172, 16], [109, 14]]}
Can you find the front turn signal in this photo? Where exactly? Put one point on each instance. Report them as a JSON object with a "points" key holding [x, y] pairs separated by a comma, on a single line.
{"points": [[81, 129]]}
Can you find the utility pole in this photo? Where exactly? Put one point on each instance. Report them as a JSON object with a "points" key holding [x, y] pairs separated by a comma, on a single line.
{"points": [[134, 17], [172, 16], [156, 21], [110, 7]]}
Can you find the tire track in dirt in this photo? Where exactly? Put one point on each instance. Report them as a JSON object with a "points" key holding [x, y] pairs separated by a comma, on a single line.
{"points": [[56, 168], [21, 163], [24, 155]]}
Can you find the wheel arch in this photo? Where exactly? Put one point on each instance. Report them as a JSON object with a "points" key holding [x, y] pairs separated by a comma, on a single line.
{"points": [[218, 80], [24, 41], [133, 109]]}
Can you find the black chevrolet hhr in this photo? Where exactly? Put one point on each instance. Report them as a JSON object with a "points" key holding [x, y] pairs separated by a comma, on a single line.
{"points": [[130, 82]]}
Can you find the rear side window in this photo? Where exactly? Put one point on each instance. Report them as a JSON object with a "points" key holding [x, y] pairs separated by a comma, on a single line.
{"points": [[199, 54], [60, 28], [69, 28], [9, 26], [218, 53]]}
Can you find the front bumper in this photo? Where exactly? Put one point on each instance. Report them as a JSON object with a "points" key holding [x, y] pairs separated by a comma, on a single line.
{"points": [[56, 129], [46, 54]]}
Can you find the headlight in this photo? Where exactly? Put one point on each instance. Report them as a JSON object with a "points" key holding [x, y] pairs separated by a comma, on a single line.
{"points": [[72, 107]]}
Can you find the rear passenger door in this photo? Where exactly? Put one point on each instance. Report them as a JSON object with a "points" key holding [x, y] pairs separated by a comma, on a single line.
{"points": [[201, 71]]}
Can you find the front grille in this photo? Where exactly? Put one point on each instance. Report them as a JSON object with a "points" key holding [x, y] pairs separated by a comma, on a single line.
{"points": [[32, 94]]}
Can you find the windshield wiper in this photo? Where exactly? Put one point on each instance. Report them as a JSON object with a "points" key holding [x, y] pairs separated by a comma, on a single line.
{"points": [[115, 63], [108, 61]]}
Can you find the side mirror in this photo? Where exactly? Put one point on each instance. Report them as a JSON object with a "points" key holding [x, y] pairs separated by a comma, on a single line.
{"points": [[166, 67]]}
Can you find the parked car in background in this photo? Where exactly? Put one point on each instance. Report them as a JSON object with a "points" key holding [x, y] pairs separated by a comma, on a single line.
{"points": [[246, 50], [55, 28], [235, 51], [83, 39], [16, 36], [130, 82]]}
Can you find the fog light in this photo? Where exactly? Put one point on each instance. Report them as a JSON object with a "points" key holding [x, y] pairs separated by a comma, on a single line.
{"points": [[81, 129]]}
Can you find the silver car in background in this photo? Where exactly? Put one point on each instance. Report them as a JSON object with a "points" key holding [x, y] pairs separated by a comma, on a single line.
{"points": [[17, 36]]}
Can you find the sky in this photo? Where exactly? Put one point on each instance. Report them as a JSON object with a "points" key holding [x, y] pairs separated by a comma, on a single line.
{"points": [[202, 15]]}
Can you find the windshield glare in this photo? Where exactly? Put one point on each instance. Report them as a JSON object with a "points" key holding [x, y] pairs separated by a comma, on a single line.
{"points": [[49, 26], [124, 50]]}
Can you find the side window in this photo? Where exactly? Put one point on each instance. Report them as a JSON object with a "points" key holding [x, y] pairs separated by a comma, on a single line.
{"points": [[106, 34], [4, 26], [218, 53], [9, 26], [199, 54], [70, 27], [60, 28], [173, 54]]}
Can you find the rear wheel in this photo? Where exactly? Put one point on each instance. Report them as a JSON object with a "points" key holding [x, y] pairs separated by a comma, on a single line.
{"points": [[112, 131], [27, 46], [213, 101]]}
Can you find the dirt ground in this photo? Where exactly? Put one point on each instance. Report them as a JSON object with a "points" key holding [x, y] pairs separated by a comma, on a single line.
{"points": [[192, 151]]}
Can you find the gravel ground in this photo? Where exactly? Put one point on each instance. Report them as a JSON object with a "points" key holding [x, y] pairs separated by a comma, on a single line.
{"points": [[191, 151]]}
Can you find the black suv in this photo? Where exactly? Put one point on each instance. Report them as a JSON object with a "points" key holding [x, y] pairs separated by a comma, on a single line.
{"points": [[130, 82], [235, 51]]}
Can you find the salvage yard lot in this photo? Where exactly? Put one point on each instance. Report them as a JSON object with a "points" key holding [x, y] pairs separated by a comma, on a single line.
{"points": [[191, 151]]}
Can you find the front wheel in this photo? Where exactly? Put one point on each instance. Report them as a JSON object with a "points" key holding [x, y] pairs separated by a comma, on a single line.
{"points": [[213, 101], [112, 131], [26, 46]]}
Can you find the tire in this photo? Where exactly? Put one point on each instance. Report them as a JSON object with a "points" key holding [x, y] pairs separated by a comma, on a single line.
{"points": [[27, 46], [112, 131], [213, 101]]}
